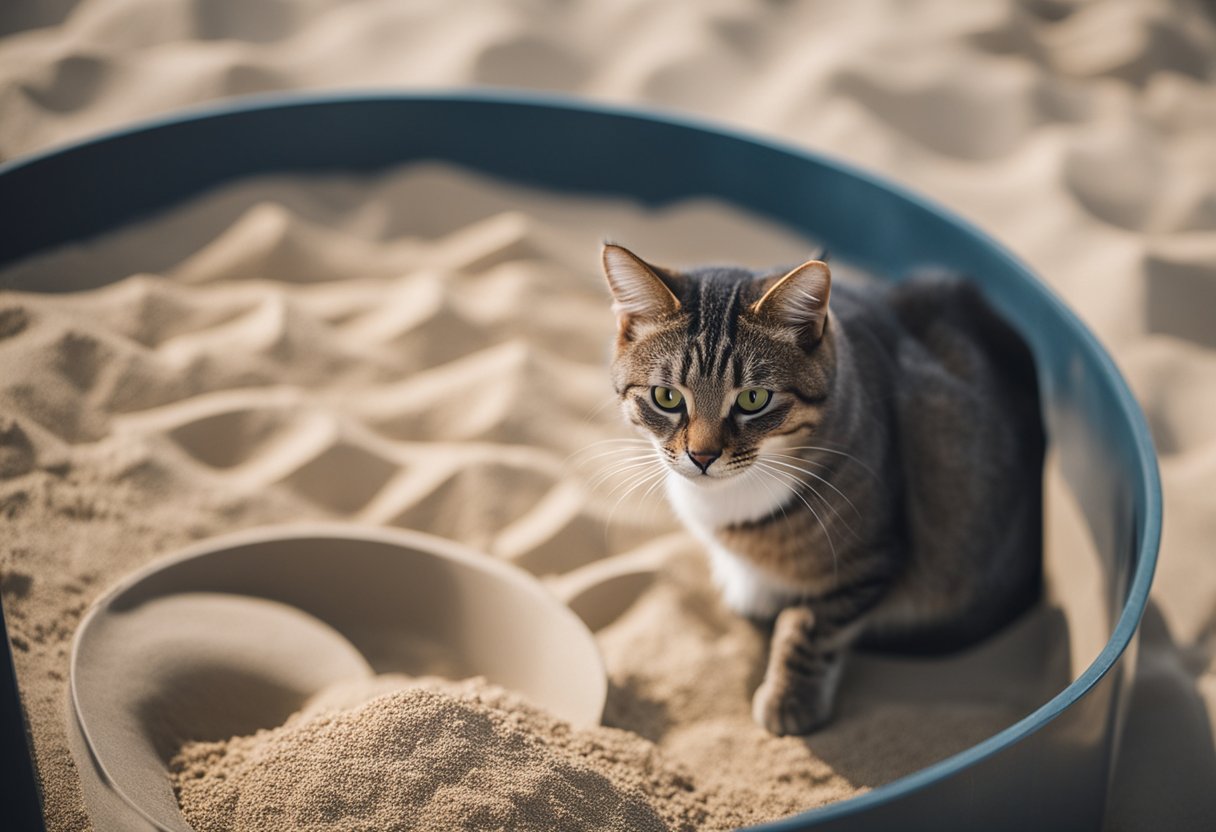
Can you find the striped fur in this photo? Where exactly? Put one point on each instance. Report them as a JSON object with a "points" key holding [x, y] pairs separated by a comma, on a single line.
{"points": [[888, 492]]}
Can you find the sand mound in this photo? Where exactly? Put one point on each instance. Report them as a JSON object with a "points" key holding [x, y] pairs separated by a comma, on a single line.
{"points": [[438, 757]]}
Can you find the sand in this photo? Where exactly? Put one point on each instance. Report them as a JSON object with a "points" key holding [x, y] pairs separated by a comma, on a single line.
{"points": [[436, 756], [1077, 133], [410, 375]]}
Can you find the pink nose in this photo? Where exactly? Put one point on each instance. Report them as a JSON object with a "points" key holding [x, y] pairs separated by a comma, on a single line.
{"points": [[703, 459]]}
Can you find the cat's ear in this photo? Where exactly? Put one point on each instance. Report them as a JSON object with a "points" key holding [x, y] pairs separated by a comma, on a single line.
{"points": [[800, 299], [637, 289]]}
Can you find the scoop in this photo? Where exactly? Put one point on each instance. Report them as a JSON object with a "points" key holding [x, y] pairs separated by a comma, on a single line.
{"points": [[238, 632]]}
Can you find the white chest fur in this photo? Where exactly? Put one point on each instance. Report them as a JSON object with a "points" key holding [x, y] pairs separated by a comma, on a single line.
{"points": [[745, 588]]}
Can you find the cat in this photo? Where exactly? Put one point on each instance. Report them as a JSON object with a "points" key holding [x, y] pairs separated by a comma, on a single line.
{"points": [[865, 470]]}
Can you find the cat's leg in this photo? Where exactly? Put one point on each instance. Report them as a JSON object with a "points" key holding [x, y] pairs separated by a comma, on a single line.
{"points": [[808, 649], [805, 662]]}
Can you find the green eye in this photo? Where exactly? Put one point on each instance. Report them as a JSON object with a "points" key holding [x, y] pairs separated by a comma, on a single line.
{"points": [[667, 398], [752, 400]]}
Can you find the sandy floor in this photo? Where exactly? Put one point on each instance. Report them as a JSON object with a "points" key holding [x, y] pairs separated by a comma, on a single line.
{"points": [[335, 348], [1079, 134]]}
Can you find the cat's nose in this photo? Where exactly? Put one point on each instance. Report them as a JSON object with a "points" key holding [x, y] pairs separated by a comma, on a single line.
{"points": [[703, 459]]}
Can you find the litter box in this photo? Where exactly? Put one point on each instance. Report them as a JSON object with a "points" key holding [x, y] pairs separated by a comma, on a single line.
{"points": [[1052, 768]]}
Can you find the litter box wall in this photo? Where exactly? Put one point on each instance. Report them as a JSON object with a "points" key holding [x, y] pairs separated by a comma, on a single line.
{"points": [[1049, 771]]}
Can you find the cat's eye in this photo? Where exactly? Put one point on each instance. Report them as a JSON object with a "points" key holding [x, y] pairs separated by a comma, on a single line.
{"points": [[667, 398], [752, 400]]}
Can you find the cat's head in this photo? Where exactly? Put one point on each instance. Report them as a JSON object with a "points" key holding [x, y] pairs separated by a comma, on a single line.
{"points": [[717, 365]]}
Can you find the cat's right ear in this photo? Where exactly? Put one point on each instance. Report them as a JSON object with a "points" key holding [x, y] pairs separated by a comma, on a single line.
{"points": [[638, 292]]}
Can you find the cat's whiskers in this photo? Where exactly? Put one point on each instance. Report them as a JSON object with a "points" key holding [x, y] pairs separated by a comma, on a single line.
{"points": [[815, 492], [793, 478], [600, 408], [626, 451], [635, 459], [619, 445], [652, 478], [863, 466], [650, 490], [777, 475], [770, 454], [638, 471], [622, 467], [611, 452], [828, 483], [752, 471], [615, 439]]}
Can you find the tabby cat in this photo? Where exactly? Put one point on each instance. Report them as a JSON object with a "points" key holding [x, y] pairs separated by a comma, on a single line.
{"points": [[865, 471]]}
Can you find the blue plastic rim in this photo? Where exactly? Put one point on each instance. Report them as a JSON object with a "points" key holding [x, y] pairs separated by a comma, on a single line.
{"points": [[1050, 769]]}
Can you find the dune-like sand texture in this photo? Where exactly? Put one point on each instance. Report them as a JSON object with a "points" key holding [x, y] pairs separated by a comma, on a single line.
{"points": [[1079, 133], [447, 375]]}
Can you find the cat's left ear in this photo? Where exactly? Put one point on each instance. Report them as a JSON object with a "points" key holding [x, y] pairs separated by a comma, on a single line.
{"points": [[800, 299]]}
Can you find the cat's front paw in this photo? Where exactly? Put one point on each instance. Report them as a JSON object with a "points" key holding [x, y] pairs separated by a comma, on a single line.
{"points": [[786, 709]]}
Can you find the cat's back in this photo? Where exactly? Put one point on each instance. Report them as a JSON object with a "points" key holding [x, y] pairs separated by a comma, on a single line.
{"points": [[939, 332], [950, 318], [971, 443]]}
